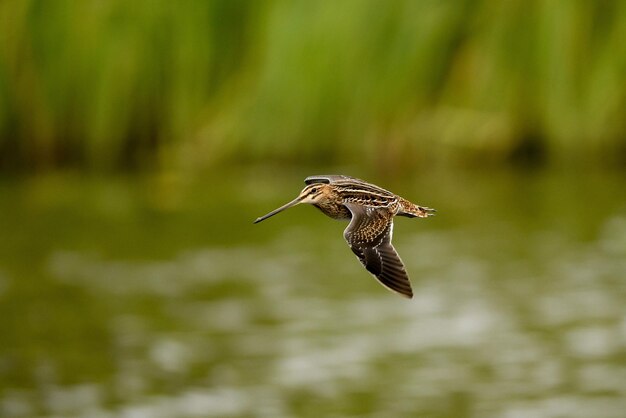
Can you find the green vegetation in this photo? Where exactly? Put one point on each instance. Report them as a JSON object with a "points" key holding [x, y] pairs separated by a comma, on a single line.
{"points": [[108, 84]]}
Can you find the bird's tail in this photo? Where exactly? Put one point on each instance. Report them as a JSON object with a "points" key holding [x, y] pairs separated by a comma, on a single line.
{"points": [[411, 210]]}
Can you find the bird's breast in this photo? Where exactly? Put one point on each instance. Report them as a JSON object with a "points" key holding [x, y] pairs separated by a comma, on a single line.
{"points": [[335, 211]]}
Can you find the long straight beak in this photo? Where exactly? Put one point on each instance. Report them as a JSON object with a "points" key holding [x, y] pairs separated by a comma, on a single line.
{"points": [[280, 209]]}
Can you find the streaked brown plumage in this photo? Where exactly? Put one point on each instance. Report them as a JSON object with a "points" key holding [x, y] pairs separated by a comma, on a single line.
{"points": [[370, 210]]}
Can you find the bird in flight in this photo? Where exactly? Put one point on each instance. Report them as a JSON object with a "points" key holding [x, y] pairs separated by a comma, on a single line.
{"points": [[370, 210]]}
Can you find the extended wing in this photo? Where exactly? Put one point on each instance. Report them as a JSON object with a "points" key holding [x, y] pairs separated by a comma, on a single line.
{"points": [[369, 236]]}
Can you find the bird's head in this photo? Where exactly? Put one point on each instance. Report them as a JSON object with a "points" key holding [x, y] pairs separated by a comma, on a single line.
{"points": [[314, 193], [311, 194]]}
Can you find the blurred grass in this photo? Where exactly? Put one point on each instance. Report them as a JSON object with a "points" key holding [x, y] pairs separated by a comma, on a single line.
{"points": [[111, 84]]}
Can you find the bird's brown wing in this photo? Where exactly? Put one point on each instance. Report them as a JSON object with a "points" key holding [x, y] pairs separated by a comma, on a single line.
{"points": [[369, 236]]}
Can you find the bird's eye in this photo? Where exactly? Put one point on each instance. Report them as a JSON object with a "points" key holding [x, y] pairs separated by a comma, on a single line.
{"points": [[314, 190]]}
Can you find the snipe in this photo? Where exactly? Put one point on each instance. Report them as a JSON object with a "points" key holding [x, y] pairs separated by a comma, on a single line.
{"points": [[370, 210]]}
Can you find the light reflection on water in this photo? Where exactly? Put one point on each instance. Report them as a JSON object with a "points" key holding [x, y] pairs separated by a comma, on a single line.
{"points": [[506, 322]]}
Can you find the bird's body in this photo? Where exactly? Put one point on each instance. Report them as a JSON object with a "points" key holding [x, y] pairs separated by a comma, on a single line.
{"points": [[371, 210]]}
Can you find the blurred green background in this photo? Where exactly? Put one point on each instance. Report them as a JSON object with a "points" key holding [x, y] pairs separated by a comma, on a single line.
{"points": [[108, 84], [139, 140]]}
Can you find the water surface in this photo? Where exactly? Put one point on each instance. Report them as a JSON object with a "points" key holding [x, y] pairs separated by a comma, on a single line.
{"points": [[157, 297]]}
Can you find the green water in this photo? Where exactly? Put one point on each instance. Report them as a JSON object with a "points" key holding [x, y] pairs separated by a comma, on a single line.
{"points": [[158, 297]]}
